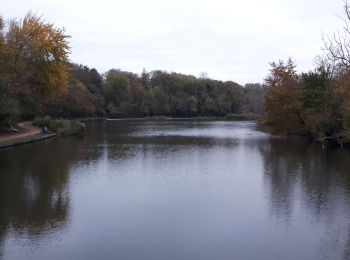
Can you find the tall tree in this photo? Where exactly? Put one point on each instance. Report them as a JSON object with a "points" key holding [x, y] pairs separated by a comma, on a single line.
{"points": [[283, 106], [39, 57], [317, 101]]}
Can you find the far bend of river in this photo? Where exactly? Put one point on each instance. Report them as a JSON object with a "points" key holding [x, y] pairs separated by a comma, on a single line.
{"points": [[176, 190]]}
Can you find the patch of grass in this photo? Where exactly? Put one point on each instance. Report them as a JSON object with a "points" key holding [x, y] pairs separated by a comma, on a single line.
{"points": [[62, 127]]}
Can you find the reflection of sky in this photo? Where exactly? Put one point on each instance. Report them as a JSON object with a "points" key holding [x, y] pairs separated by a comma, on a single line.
{"points": [[164, 199], [219, 130]]}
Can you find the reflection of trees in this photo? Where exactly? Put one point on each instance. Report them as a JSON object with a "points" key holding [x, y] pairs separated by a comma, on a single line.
{"points": [[297, 170], [34, 195], [2, 239], [134, 136], [282, 176], [347, 246]]}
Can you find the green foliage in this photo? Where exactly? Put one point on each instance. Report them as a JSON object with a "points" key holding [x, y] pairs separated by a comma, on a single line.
{"points": [[75, 127], [51, 124], [116, 87], [315, 89], [40, 81], [160, 93], [9, 108], [319, 117], [242, 116], [61, 126]]}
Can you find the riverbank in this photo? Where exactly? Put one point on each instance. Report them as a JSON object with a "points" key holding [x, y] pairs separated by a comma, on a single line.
{"points": [[62, 127], [27, 133], [26, 140], [32, 131]]}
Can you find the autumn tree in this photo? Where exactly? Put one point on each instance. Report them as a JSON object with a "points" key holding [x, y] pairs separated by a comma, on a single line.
{"points": [[89, 77], [38, 62], [36, 78], [283, 106], [316, 103], [76, 102]]}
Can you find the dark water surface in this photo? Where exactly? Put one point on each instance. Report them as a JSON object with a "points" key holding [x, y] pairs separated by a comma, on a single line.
{"points": [[174, 190]]}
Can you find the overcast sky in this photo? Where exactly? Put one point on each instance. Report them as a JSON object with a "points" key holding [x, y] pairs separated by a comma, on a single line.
{"points": [[230, 40]]}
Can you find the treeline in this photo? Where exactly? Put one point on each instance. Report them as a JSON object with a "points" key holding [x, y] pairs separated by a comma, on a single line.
{"points": [[314, 103], [171, 94], [37, 79]]}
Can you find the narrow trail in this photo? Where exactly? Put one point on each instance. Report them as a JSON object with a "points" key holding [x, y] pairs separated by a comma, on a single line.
{"points": [[27, 130]]}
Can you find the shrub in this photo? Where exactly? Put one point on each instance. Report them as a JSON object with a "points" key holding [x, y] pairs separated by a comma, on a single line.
{"points": [[61, 126]]}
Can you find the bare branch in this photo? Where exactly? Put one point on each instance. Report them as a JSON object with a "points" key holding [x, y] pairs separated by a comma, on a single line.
{"points": [[337, 47]]}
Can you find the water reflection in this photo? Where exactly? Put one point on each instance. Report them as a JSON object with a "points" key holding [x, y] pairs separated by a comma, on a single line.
{"points": [[300, 179], [34, 188], [186, 190]]}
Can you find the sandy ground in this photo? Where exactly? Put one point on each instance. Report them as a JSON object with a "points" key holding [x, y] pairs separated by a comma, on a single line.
{"points": [[28, 130]]}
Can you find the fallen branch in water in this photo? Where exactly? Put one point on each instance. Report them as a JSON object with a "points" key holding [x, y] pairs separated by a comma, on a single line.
{"points": [[329, 141]]}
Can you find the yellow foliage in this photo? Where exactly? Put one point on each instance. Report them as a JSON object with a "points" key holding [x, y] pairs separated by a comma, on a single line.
{"points": [[39, 55]]}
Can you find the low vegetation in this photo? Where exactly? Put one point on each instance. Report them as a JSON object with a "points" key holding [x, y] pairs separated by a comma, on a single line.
{"points": [[61, 126]]}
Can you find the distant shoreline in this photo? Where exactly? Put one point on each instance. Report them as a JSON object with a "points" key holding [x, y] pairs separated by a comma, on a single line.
{"points": [[230, 117], [32, 134]]}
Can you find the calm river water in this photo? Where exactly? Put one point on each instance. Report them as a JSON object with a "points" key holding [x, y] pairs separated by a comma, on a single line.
{"points": [[174, 190]]}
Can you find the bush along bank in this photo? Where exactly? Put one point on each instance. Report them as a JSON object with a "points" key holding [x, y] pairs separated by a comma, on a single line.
{"points": [[63, 127]]}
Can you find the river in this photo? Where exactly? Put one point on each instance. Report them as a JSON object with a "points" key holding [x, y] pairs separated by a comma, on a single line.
{"points": [[174, 190]]}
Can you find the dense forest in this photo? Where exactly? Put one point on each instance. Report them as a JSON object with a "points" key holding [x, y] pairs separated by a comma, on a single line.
{"points": [[314, 103], [38, 79]]}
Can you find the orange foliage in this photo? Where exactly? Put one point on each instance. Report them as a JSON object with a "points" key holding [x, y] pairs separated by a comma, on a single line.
{"points": [[283, 106]]}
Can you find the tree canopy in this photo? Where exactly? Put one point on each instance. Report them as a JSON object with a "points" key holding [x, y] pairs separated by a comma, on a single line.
{"points": [[38, 79], [315, 103]]}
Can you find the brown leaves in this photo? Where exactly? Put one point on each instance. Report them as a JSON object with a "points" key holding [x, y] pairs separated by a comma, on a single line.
{"points": [[282, 109]]}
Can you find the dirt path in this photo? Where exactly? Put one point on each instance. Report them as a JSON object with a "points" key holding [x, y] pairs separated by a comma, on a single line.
{"points": [[27, 130]]}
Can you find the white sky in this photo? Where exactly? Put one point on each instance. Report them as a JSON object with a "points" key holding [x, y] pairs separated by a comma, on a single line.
{"points": [[230, 40]]}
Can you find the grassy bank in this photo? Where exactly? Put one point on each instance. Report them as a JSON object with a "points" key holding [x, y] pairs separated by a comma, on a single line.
{"points": [[31, 132], [62, 127]]}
